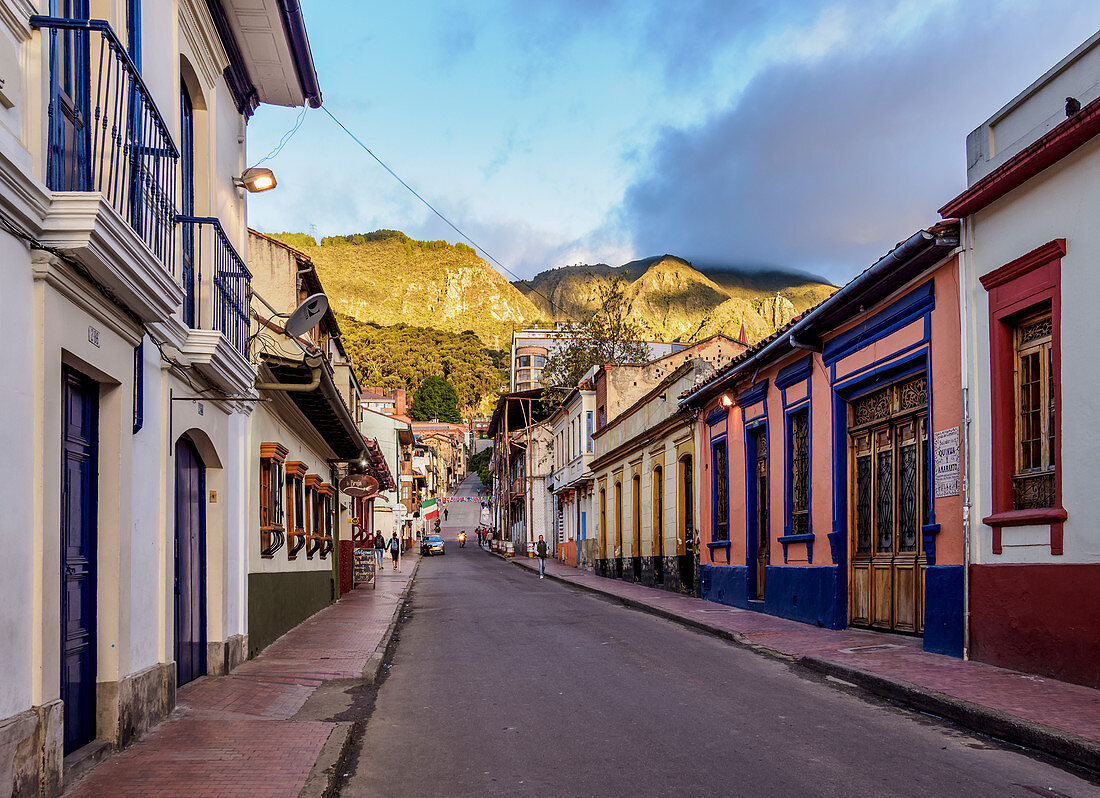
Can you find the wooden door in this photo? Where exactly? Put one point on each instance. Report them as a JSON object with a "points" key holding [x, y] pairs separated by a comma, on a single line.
{"points": [[190, 616], [888, 496], [761, 511], [79, 510]]}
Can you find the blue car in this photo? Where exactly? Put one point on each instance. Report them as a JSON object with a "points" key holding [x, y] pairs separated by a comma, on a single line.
{"points": [[433, 544]]}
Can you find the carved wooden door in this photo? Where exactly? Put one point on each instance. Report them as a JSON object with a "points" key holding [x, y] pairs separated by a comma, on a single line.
{"points": [[888, 501]]}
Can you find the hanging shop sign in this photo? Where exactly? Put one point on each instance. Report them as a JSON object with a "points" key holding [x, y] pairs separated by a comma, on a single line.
{"points": [[359, 485]]}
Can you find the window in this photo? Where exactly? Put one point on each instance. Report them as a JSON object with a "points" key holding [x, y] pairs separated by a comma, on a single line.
{"points": [[139, 386], [538, 361], [312, 514], [327, 520], [721, 491], [272, 456], [1033, 481], [688, 501], [658, 512], [295, 531], [798, 471], [618, 519], [1025, 393], [523, 361], [588, 431]]}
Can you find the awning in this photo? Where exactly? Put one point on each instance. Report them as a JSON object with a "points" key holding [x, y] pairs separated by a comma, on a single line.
{"points": [[323, 406]]}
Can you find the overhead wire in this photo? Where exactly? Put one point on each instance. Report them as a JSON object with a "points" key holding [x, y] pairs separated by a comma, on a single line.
{"points": [[434, 210], [285, 139]]}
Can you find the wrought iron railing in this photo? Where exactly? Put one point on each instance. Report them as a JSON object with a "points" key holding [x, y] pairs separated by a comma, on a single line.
{"points": [[231, 295], [106, 133]]}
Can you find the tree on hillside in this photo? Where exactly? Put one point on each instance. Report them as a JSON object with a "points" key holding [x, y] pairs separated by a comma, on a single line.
{"points": [[436, 398], [607, 337]]}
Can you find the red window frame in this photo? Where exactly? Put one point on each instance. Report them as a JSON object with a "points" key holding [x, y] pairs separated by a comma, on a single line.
{"points": [[1015, 289]]}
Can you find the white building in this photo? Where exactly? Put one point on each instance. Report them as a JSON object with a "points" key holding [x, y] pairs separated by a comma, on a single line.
{"points": [[1030, 290], [531, 346], [128, 386], [571, 427]]}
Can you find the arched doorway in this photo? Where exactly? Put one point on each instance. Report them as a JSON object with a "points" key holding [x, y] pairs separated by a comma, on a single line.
{"points": [[190, 571]]}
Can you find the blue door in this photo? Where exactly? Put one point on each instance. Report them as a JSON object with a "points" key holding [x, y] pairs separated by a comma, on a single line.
{"points": [[190, 621], [79, 508], [68, 165]]}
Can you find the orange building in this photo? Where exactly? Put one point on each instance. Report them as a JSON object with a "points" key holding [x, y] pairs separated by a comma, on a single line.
{"points": [[830, 478]]}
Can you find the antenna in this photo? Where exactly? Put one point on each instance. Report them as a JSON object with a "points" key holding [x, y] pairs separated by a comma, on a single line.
{"points": [[306, 316]]}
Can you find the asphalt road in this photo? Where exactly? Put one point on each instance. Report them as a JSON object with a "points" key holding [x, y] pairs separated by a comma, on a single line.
{"points": [[502, 684]]}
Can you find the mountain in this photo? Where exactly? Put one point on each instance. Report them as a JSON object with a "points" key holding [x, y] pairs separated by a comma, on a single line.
{"points": [[387, 278], [673, 300]]}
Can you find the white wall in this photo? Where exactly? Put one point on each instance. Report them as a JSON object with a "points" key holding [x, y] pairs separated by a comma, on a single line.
{"points": [[1062, 202]]}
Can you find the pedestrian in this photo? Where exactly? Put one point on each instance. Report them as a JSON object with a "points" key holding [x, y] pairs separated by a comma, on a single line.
{"points": [[395, 549], [541, 551], [379, 548], [444, 513]]}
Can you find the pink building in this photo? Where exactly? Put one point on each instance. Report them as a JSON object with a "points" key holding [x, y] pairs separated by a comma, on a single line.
{"points": [[829, 489]]}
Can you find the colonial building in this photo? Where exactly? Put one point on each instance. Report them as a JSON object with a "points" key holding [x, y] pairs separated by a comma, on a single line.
{"points": [[390, 436], [1030, 287], [829, 457], [128, 382], [303, 437], [645, 474], [571, 427], [521, 465]]}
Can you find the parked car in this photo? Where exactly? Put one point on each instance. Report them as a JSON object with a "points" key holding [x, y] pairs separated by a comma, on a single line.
{"points": [[433, 544]]}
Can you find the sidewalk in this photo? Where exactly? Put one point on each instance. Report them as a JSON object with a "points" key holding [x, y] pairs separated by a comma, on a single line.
{"points": [[247, 733], [1055, 717]]}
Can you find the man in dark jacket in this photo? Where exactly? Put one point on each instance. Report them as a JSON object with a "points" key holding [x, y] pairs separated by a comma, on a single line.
{"points": [[541, 551]]}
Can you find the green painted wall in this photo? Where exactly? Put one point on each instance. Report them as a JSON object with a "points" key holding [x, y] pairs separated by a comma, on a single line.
{"points": [[277, 602]]}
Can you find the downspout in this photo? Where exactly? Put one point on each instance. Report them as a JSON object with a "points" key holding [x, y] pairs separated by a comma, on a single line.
{"points": [[965, 258], [314, 362]]}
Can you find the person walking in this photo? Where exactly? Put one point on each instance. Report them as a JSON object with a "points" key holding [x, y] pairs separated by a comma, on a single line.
{"points": [[541, 551], [444, 513], [395, 549], [379, 548]]}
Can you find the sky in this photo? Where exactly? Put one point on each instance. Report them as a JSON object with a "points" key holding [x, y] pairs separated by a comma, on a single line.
{"points": [[811, 135]]}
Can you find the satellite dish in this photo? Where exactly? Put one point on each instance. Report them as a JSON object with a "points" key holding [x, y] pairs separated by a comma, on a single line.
{"points": [[307, 315]]}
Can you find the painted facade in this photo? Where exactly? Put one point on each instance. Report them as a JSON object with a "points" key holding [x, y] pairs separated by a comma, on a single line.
{"points": [[830, 457], [521, 466], [646, 485], [571, 429], [1030, 287], [302, 439], [128, 393]]}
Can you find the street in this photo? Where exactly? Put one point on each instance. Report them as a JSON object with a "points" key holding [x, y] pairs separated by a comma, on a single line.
{"points": [[504, 684]]}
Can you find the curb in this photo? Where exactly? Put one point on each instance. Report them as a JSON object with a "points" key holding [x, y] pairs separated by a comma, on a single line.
{"points": [[1066, 746], [373, 667]]}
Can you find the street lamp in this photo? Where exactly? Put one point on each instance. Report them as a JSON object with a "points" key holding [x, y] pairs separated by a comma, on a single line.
{"points": [[256, 179]]}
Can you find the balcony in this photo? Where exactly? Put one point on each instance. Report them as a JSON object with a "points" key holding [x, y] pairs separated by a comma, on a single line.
{"points": [[112, 166]]}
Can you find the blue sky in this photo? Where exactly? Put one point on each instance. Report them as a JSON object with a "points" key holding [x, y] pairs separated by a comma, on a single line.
{"points": [[809, 135]]}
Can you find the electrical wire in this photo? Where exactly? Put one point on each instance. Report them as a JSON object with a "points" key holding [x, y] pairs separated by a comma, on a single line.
{"points": [[447, 221], [285, 139]]}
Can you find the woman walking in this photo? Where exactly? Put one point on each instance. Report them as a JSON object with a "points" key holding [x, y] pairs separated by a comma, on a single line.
{"points": [[395, 549]]}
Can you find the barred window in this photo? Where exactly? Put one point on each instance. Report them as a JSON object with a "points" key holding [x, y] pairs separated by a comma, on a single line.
{"points": [[798, 478], [1036, 456], [721, 492]]}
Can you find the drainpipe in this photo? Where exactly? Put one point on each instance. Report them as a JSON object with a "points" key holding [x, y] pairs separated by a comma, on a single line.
{"points": [[965, 258], [315, 364]]}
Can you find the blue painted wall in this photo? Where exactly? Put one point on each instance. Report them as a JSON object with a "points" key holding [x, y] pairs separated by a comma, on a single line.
{"points": [[725, 584], [943, 610], [807, 593]]}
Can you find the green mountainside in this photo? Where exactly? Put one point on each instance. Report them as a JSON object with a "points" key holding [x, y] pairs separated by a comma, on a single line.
{"points": [[672, 300], [401, 356], [387, 278], [412, 308]]}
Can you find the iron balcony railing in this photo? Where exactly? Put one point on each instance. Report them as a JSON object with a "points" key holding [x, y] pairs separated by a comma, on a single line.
{"points": [[106, 133], [231, 294]]}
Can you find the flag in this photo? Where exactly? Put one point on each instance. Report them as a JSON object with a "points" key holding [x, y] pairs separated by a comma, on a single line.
{"points": [[741, 335], [428, 509]]}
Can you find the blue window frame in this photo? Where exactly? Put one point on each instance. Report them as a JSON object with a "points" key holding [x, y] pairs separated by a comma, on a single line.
{"points": [[588, 437], [720, 520], [139, 386]]}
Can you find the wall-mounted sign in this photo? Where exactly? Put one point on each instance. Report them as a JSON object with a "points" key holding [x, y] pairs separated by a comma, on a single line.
{"points": [[946, 448], [361, 485]]}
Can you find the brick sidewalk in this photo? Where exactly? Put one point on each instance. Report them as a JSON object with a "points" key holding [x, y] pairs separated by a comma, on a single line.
{"points": [[1071, 711], [236, 735]]}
